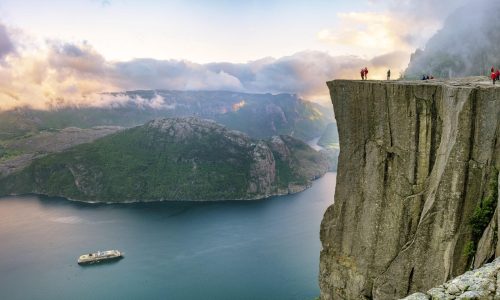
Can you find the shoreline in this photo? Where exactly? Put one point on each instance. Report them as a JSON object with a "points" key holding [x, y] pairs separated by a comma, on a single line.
{"points": [[290, 192]]}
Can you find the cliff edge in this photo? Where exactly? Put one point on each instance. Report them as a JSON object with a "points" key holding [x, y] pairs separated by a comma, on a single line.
{"points": [[417, 186]]}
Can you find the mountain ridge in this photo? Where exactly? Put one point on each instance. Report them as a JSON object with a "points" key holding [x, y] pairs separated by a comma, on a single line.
{"points": [[259, 115], [173, 159]]}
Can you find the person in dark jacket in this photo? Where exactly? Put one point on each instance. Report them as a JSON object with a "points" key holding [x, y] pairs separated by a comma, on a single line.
{"points": [[389, 74], [362, 74], [366, 73]]}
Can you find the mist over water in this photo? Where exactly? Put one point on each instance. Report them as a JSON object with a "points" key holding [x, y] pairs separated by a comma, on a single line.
{"points": [[265, 249]]}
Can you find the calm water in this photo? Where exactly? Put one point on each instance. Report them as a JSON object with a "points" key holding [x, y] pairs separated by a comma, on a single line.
{"points": [[221, 250]]}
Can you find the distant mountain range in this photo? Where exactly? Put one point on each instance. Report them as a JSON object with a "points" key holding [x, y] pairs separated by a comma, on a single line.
{"points": [[172, 159], [258, 115], [329, 140]]}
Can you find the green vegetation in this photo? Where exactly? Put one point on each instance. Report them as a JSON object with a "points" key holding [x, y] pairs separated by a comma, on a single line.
{"points": [[6, 153], [483, 213], [469, 249], [149, 163], [283, 115]]}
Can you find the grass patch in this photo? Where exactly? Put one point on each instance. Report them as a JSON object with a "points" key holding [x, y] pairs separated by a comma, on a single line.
{"points": [[6, 154]]}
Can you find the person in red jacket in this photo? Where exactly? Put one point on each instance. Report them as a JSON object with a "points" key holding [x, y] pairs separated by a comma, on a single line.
{"points": [[498, 74], [362, 74], [366, 73], [493, 77]]}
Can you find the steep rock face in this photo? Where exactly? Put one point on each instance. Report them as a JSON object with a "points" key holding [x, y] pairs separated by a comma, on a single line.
{"points": [[262, 170], [415, 161]]}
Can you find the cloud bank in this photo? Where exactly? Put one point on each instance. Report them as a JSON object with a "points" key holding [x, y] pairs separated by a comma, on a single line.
{"points": [[61, 73], [468, 44]]}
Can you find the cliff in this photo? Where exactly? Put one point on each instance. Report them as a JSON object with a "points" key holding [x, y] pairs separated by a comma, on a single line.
{"points": [[172, 159], [416, 187]]}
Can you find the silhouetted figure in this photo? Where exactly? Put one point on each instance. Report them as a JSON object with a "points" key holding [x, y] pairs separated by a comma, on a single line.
{"points": [[389, 74], [366, 73], [492, 69], [424, 77], [432, 77], [493, 77], [427, 77], [362, 74]]}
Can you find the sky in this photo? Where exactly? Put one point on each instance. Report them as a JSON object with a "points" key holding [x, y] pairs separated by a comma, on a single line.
{"points": [[70, 52]]}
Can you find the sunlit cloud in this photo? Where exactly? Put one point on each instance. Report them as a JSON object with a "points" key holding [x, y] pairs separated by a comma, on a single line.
{"points": [[368, 33], [48, 74], [75, 74]]}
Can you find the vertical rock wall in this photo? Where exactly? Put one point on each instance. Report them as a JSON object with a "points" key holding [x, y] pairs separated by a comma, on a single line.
{"points": [[415, 161]]}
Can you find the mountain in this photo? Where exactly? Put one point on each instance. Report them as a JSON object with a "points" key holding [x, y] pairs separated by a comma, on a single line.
{"points": [[16, 154], [467, 45], [172, 159], [417, 186], [259, 115], [329, 140], [330, 137]]}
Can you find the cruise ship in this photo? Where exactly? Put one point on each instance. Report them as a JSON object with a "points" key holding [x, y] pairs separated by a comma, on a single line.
{"points": [[99, 256]]}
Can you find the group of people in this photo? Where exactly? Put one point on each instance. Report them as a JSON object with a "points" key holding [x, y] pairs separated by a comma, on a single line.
{"points": [[495, 75], [364, 74], [427, 77]]}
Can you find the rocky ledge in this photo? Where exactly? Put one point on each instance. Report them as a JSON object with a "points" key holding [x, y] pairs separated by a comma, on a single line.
{"points": [[482, 283]]}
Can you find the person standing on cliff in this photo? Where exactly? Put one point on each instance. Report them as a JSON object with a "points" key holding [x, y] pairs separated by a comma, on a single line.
{"points": [[366, 73], [493, 77], [389, 74], [498, 74], [362, 74]]}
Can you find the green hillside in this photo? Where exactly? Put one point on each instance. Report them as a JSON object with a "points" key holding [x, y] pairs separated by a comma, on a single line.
{"points": [[172, 159]]}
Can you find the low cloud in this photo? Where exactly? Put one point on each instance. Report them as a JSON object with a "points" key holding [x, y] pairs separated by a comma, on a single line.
{"points": [[468, 44], [370, 33], [62, 73], [397, 58], [170, 74], [390, 36]]}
